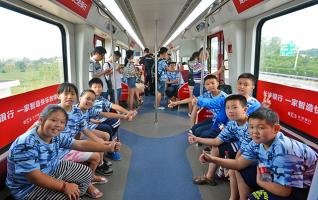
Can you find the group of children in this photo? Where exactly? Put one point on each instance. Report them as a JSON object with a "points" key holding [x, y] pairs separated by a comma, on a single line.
{"points": [[248, 132], [46, 161]]}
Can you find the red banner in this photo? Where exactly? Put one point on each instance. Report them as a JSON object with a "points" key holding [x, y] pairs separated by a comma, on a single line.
{"points": [[242, 5], [296, 107], [81, 7], [19, 112]]}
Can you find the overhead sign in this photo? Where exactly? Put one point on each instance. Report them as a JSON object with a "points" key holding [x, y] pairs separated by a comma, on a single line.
{"points": [[242, 5], [287, 49], [22, 110], [80, 7], [296, 107]]}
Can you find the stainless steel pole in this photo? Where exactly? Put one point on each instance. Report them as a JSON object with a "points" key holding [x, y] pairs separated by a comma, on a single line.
{"points": [[156, 73], [205, 40], [114, 64]]}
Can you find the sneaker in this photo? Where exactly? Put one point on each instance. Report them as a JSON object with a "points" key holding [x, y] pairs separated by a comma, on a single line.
{"points": [[104, 170], [189, 114], [161, 108], [219, 173], [207, 149], [108, 163], [114, 155]]}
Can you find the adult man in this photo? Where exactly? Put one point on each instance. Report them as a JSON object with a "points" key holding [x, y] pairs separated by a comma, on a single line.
{"points": [[148, 61]]}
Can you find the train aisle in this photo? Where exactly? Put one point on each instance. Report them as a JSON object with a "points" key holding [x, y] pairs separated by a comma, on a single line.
{"points": [[157, 161]]}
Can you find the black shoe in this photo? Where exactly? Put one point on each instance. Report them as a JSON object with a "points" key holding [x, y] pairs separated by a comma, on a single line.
{"points": [[108, 163], [104, 170], [207, 149]]}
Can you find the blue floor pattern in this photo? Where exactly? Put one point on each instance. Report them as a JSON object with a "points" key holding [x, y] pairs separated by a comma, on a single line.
{"points": [[159, 168]]}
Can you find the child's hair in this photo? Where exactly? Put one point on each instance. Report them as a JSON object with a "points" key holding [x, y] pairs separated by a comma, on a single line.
{"points": [[163, 50], [100, 50], [210, 76], [95, 81], [238, 97], [117, 53], [146, 50], [50, 109], [86, 91], [67, 87], [270, 116], [194, 56], [248, 76], [129, 54]]}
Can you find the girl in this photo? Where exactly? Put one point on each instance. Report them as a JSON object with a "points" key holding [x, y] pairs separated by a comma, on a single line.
{"points": [[34, 168], [130, 74], [68, 95]]}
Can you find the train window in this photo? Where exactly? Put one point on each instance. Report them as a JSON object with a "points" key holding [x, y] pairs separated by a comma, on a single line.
{"points": [[214, 54], [31, 53], [123, 55], [288, 67]]}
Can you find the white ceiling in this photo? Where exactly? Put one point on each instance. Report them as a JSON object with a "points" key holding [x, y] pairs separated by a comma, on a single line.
{"points": [[164, 11]]}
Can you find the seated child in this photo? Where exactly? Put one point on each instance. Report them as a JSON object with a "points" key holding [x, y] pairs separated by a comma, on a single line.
{"points": [[34, 168], [234, 139], [289, 165], [108, 121]]}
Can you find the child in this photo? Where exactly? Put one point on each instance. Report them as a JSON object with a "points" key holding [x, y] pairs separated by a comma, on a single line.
{"points": [[96, 69], [108, 121], [130, 74], [162, 75], [234, 139], [76, 125], [172, 82], [245, 86], [86, 102], [34, 168], [290, 164]]}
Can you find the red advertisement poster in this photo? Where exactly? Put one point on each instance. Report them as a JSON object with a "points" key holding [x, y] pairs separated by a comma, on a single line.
{"points": [[19, 112], [296, 107], [81, 7], [242, 5]]}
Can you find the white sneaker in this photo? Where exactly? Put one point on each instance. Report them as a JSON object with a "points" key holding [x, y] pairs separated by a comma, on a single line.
{"points": [[161, 108]]}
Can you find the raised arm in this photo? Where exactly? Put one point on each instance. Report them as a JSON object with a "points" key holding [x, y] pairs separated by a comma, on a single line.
{"points": [[215, 103]]}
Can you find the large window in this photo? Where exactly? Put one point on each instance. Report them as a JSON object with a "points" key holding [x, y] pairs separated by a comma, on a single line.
{"points": [[31, 53], [289, 49], [288, 67]]}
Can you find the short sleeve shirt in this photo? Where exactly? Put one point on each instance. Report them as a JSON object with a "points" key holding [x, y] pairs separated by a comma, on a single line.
{"points": [[75, 125], [171, 76], [162, 70], [236, 133], [101, 105], [90, 113], [28, 153], [95, 67], [290, 162]]}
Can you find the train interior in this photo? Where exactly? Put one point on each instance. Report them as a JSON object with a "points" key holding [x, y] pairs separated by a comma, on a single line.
{"points": [[266, 37]]}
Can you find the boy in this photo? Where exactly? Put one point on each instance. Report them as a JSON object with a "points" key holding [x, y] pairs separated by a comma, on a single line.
{"points": [[234, 139], [107, 121], [290, 164], [162, 75], [245, 86], [96, 69]]}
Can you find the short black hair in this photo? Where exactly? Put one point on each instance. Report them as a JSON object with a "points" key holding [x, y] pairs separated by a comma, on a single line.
{"points": [[270, 116], [86, 91], [146, 50], [238, 97], [95, 81], [50, 109], [100, 50], [163, 50], [210, 76], [67, 87], [248, 76], [117, 53]]}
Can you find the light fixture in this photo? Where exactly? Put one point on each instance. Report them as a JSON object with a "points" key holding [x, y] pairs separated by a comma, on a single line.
{"points": [[203, 5], [112, 6]]}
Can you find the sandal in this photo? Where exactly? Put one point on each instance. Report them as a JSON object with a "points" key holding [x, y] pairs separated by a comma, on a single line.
{"points": [[96, 194], [101, 180], [203, 180]]}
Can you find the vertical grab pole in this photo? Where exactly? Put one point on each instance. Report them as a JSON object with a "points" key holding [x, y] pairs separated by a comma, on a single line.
{"points": [[112, 54], [156, 74], [204, 54]]}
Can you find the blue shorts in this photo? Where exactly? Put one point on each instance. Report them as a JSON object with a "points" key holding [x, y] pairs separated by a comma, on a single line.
{"points": [[131, 81], [161, 87], [196, 90]]}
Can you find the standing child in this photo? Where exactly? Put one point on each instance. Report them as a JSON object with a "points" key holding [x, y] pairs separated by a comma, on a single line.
{"points": [[288, 164], [96, 70], [130, 74], [34, 168]]}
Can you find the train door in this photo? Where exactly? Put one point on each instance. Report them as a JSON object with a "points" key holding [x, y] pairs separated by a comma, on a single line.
{"points": [[216, 57]]}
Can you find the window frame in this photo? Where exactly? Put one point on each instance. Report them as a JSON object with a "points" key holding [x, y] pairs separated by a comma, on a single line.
{"points": [[258, 56]]}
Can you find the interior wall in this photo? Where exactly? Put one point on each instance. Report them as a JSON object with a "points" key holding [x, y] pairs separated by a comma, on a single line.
{"points": [[234, 34]]}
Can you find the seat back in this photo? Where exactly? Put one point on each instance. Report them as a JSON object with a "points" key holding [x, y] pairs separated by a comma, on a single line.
{"points": [[203, 114], [124, 92], [183, 92]]}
